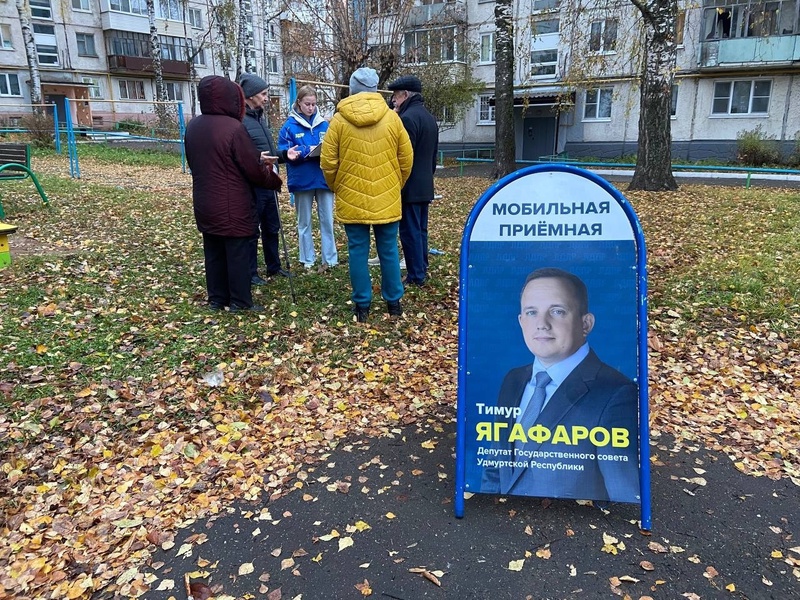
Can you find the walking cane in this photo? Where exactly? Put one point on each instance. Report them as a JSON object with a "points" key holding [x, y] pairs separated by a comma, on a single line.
{"points": [[285, 249]]}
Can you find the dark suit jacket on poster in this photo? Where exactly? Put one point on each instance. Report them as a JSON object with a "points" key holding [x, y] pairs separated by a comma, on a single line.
{"points": [[593, 395]]}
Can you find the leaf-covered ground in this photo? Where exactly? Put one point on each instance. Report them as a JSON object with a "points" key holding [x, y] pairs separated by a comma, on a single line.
{"points": [[127, 409]]}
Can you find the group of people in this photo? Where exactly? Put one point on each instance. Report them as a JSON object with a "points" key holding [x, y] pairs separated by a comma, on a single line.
{"points": [[377, 158]]}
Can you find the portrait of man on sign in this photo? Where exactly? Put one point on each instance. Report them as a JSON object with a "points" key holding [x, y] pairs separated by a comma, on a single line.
{"points": [[565, 425]]}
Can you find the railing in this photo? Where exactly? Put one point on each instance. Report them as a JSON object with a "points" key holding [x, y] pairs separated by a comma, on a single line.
{"points": [[484, 152], [543, 160]]}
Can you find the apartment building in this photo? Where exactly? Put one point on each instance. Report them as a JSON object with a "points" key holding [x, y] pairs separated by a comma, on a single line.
{"points": [[97, 54]]}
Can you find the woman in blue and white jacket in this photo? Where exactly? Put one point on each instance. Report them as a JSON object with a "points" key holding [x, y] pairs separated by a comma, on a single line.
{"points": [[305, 129]]}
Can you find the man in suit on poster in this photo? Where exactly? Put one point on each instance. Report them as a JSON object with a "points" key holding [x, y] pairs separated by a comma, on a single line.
{"points": [[572, 425]]}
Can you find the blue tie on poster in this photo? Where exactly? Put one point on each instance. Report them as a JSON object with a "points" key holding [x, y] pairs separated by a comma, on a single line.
{"points": [[552, 398]]}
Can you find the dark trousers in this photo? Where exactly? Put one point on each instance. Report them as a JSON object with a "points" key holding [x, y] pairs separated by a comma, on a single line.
{"points": [[414, 239], [227, 276], [269, 225]]}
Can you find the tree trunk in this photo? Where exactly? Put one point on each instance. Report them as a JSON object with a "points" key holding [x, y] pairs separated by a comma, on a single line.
{"points": [[505, 149], [654, 158], [165, 122], [30, 53]]}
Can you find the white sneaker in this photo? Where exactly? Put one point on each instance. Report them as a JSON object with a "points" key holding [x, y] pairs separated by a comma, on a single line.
{"points": [[403, 264], [374, 262]]}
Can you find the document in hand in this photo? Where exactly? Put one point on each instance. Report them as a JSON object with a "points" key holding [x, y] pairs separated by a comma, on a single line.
{"points": [[315, 151]]}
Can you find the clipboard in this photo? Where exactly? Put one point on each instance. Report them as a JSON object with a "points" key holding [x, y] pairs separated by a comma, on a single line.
{"points": [[315, 152]]}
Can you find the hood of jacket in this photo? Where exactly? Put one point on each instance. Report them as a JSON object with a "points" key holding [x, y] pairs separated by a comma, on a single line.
{"points": [[220, 96], [302, 120], [363, 109]]}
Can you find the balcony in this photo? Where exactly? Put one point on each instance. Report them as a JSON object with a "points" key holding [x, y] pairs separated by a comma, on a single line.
{"points": [[755, 52], [118, 63], [444, 13]]}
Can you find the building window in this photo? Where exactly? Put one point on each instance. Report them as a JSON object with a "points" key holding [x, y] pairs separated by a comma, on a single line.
{"points": [[545, 26], [603, 36], [378, 8], [5, 37], [134, 7], [130, 89], [174, 91], [487, 47], [80, 4], [94, 87], [433, 45], [544, 63], [741, 97], [44, 37], [9, 84], [170, 9], [272, 63], [272, 32], [40, 9], [485, 109], [673, 103], [85, 44], [199, 58], [680, 25], [196, 18], [541, 5], [598, 104]]}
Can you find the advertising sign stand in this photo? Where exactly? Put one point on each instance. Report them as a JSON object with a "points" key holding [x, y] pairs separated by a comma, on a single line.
{"points": [[552, 358]]}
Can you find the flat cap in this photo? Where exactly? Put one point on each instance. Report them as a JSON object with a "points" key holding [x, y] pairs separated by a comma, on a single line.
{"points": [[408, 83]]}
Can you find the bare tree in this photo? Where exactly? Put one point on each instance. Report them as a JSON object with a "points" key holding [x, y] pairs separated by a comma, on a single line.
{"points": [[505, 144], [654, 159], [165, 120], [23, 8]]}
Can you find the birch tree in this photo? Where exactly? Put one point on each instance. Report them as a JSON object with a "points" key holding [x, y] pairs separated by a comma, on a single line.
{"points": [[505, 149], [30, 52], [654, 158], [165, 120]]}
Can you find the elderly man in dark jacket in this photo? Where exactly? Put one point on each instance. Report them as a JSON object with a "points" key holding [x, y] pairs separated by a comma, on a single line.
{"points": [[256, 96], [225, 166], [418, 191]]}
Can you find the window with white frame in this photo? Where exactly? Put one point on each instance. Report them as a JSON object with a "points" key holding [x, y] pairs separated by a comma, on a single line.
{"points": [[174, 91], [85, 43], [170, 9], [747, 96], [272, 31], [603, 36], [272, 63], [485, 109], [44, 37], [673, 102], [80, 4], [40, 9], [542, 5], [544, 47], [487, 47], [94, 87], [199, 57], [9, 84], [442, 44], [196, 18], [134, 7], [598, 104], [131, 89], [5, 37]]}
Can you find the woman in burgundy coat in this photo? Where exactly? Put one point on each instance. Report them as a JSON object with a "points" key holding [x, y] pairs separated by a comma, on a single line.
{"points": [[225, 166]]}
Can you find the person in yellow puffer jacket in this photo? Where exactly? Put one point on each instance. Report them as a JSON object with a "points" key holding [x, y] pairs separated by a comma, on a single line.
{"points": [[366, 159]]}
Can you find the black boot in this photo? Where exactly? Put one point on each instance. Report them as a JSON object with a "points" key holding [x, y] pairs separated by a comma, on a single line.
{"points": [[362, 312], [395, 309]]}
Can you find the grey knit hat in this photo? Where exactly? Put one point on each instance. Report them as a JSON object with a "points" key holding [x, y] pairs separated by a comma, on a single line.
{"points": [[252, 84], [364, 80]]}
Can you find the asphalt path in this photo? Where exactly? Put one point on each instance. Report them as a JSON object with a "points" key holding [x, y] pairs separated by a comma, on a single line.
{"points": [[379, 512]]}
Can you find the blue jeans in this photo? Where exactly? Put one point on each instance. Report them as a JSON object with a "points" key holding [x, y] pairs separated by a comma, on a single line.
{"points": [[303, 203], [414, 239], [358, 250]]}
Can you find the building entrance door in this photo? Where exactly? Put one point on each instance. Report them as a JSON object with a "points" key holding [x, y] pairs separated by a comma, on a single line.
{"points": [[539, 137]]}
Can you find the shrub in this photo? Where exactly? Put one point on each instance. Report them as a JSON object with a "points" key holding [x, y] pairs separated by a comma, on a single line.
{"points": [[755, 148], [40, 127], [133, 126]]}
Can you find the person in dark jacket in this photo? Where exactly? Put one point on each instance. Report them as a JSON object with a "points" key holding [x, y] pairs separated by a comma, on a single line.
{"points": [[417, 193], [256, 96], [226, 166]]}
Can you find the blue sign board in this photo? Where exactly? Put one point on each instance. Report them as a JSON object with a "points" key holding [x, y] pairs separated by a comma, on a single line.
{"points": [[552, 388]]}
